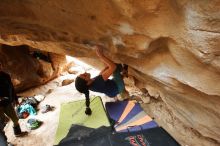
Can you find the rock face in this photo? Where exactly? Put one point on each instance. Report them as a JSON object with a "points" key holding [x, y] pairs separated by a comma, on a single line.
{"points": [[171, 47], [28, 70]]}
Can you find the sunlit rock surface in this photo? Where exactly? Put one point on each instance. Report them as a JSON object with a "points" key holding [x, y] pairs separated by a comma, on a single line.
{"points": [[171, 46]]}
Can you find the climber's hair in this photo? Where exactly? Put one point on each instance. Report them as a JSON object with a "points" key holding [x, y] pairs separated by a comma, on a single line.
{"points": [[82, 87]]}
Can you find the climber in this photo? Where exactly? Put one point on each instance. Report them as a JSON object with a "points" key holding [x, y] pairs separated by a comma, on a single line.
{"points": [[102, 83], [7, 98]]}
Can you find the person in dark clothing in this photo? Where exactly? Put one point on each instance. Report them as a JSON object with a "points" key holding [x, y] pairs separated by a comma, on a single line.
{"points": [[7, 98], [3, 138], [101, 83]]}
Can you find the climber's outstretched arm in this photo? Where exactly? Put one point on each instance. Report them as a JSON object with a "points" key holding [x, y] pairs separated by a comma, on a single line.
{"points": [[110, 65]]}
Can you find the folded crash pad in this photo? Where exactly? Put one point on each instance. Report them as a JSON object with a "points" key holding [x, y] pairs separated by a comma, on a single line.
{"points": [[102, 136], [83, 136], [129, 116], [150, 137]]}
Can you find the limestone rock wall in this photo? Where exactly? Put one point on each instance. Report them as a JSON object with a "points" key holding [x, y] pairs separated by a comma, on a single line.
{"points": [[171, 46]]}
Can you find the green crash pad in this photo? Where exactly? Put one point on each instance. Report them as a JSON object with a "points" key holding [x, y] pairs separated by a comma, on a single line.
{"points": [[74, 113]]}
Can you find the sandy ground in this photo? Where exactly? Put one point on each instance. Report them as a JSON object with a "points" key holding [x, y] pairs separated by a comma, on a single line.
{"points": [[55, 94]]}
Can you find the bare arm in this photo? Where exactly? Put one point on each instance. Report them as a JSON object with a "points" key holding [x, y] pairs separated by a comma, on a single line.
{"points": [[109, 63], [103, 70]]}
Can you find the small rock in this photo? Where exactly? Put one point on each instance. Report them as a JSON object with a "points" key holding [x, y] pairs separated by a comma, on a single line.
{"points": [[145, 99], [70, 71], [67, 82], [49, 91]]}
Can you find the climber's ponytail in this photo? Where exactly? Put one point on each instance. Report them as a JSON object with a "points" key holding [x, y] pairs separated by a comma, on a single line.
{"points": [[87, 98], [81, 86], [88, 110]]}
